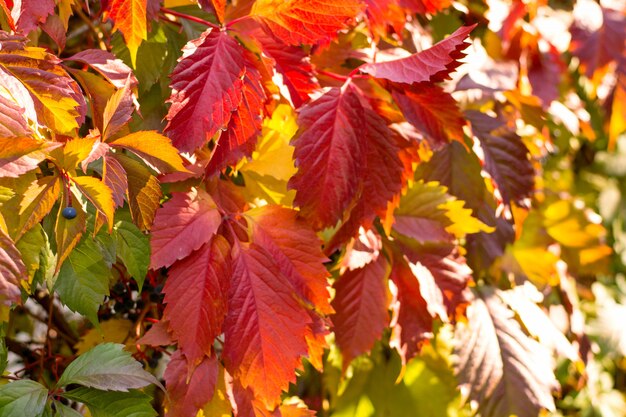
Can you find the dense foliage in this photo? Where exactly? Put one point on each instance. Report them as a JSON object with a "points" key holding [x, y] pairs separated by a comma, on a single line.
{"points": [[310, 207]]}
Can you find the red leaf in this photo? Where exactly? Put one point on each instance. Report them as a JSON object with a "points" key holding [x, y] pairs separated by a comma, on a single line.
{"points": [[182, 225], [425, 6], [413, 322], [195, 298], [12, 121], [305, 21], [157, 335], [496, 361], [106, 64], [292, 63], [277, 275], [189, 392], [339, 151], [431, 65], [384, 14], [114, 176], [361, 302], [206, 88], [27, 14], [506, 157], [12, 271], [431, 110], [601, 47], [239, 139], [216, 6]]}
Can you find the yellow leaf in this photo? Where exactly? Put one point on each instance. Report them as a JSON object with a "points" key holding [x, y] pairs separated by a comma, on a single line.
{"points": [[73, 152], [16, 147], [538, 264], [267, 172], [463, 223], [154, 149], [99, 195], [571, 226], [38, 200], [68, 231], [114, 331], [129, 17], [617, 125], [219, 406]]}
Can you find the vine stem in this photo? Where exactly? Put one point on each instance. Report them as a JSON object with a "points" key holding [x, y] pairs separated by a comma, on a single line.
{"points": [[189, 17], [237, 20]]}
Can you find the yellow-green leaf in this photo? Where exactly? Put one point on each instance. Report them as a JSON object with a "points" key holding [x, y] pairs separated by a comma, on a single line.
{"points": [[38, 200], [154, 149], [99, 195]]}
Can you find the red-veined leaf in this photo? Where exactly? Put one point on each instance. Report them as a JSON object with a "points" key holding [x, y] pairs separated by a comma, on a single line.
{"points": [[38, 200], [114, 177], [305, 21], [196, 298], [506, 157], [182, 225], [361, 303], [432, 111], [343, 151], [497, 361], [431, 65], [106, 64], [12, 122], [239, 139], [27, 14], [12, 271], [189, 391], [206, 88], [118, 111]]}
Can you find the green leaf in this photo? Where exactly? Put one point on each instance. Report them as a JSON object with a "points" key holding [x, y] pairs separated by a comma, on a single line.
{"points": [[22, 398], [83, 280], [65, 411], [113, 404], [133, 248], [107, 367]]}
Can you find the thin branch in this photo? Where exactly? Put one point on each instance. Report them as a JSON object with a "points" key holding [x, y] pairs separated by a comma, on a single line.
{"points": [[189, 17]]}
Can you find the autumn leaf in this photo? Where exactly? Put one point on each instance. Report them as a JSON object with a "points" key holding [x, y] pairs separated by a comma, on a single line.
{"points": [[12, 271], [108, 66], [361, 303], [305, 21], [28, 14], [98, 194], [433, 64], [425, 6], [338, 147], [36, 79], [506, 157], [117, 112], [206, 87], [189, 392], [497, 361], [12, 121], [196, 300], [174, 233], [155, 150], [38, 200], [129, 17]]}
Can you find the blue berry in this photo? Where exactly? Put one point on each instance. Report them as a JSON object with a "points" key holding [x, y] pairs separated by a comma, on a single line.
{"points": [[69, 213]]}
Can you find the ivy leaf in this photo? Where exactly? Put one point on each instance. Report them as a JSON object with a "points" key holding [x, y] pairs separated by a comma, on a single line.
{"points": [[244, 127], [39, 81], [155, 150], [38, 200], [23, 398], [175, 231], [107, 367], [431, 110], [113, 404], [27, 14], [506, 157], [305, 21], [12, 270], [115, 177], [340, 138], [12, 121], [129, 17], [497, 361], [144, 191], [266, 326], [68, 231], [188, 393], [117, 112], [361, 303], [133, 248], [83, 280], [206, 88], [106, 64], [431, 65], [98, 194], [196, 293]]}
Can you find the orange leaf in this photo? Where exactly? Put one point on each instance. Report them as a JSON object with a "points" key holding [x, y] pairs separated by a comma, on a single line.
{"points": [[129, 17], [154, 149], [99, 194]]}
